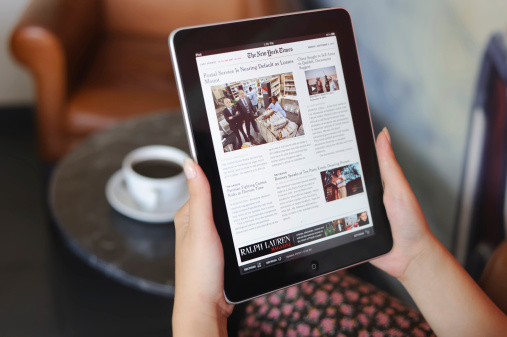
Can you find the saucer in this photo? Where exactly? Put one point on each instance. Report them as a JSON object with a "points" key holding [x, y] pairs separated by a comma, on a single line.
{"points": [[121, 200]]}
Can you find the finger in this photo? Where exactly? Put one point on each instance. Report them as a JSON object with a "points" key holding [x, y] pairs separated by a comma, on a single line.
{"points": [[392, 175], [200, 197]]}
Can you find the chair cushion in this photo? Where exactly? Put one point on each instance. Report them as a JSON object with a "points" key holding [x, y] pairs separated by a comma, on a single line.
{"points": [[338, 304], [129, 76]]}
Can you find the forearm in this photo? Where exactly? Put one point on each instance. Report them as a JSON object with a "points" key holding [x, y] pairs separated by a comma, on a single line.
{"points": [[452, 303]]}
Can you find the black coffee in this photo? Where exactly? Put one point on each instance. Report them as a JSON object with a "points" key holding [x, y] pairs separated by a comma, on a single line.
{"points": [[157, 168]]}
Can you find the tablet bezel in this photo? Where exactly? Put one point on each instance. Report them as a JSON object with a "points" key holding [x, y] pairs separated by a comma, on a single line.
{"points": [[184, 44]]}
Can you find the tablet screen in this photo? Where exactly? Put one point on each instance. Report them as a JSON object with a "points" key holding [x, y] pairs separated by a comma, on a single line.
{"points": [[286, 149]]}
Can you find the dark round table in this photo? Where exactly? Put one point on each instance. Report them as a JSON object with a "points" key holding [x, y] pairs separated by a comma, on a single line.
{"points": [[133, 252]]}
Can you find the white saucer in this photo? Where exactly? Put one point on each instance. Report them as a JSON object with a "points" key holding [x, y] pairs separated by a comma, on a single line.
{"points": [[121, 200]]}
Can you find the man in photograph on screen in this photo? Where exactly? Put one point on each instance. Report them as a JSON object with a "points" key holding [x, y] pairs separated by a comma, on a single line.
{"points": [[253, 98], [318, 84], [339, 225], [332, 85], [246, 109], [276, 107], [341, 183], [235, 120]]}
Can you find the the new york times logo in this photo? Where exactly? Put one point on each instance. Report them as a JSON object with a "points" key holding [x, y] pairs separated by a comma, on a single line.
{"points": [[269, 53]]}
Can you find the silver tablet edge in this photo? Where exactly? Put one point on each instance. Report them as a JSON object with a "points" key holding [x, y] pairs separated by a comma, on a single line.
{"points": [[368, 107], [183, 101], [186, 117], [362, 79]]}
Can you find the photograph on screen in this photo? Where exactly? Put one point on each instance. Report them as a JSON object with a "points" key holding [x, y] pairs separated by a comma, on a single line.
{"points": [[322, 80], [341, 182], [346, 224], [257, 111]]}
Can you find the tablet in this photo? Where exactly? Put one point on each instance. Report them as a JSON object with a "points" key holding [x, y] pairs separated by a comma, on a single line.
{"points": [[277, 117]]}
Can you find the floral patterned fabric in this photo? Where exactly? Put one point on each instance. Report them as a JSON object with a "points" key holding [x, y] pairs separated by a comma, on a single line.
{"points": [[339, 304]]}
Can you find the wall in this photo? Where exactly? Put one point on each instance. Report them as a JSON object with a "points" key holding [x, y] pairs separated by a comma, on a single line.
{"points": [[15, 82]]}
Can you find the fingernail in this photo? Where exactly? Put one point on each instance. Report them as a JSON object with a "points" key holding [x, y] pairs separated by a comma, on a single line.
{"points": [[386, 132], [188, 167]]}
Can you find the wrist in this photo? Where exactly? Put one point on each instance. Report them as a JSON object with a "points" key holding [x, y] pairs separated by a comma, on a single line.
{"points": [[198, 319], [424, 261], [198, 327]]}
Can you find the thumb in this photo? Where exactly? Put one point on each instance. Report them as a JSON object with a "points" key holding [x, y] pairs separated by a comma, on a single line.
{"points": [[392, 175], [199, 191]]}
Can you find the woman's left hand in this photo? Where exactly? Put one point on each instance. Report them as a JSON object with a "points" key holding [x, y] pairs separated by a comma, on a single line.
{"points": [[200, 308]]}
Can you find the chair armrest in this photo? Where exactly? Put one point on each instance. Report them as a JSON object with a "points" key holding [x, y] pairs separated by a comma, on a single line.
{"points": [[493, 279], [53, 39]]}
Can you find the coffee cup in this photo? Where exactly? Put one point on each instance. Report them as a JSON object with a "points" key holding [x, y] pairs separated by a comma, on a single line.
{"points": [[154, 177]]}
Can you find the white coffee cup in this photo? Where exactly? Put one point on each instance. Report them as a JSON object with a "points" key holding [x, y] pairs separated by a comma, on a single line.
{"points": [[152, 194]]}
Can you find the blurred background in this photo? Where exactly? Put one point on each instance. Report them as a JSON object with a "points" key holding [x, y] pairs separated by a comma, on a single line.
{"points": [[70, 69]]}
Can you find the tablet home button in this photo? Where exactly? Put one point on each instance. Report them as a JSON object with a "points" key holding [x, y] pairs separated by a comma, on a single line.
{"points": [[314, 265]]}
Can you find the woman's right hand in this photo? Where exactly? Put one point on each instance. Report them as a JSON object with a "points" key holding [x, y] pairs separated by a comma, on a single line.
{"points": [[450, 300]]}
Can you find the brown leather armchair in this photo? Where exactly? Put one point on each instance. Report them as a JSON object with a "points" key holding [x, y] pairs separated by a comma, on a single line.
{"points": [[97, 62]]}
